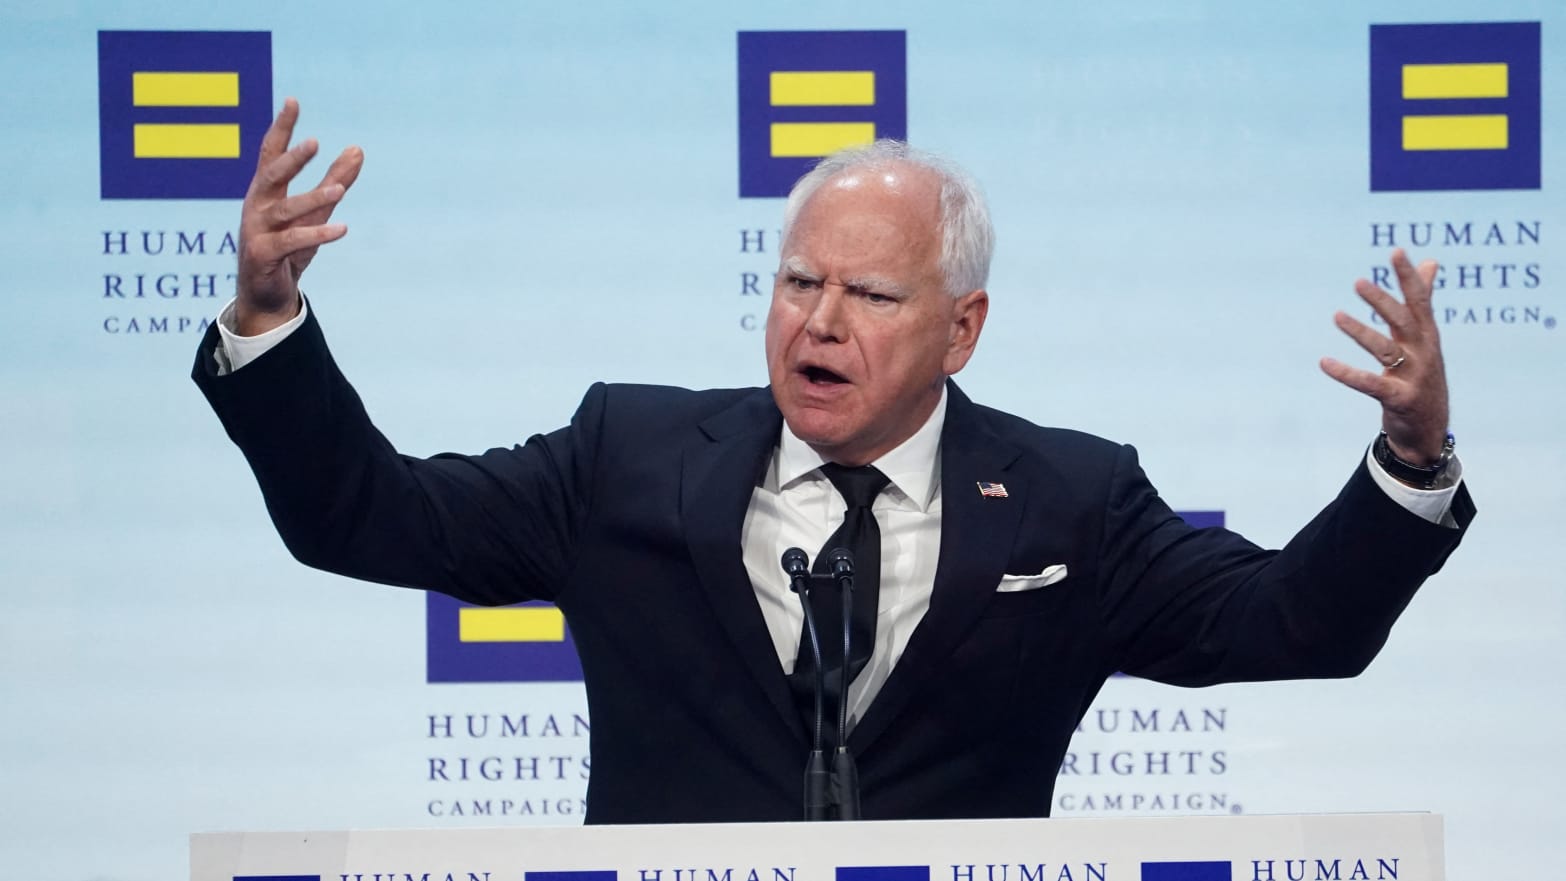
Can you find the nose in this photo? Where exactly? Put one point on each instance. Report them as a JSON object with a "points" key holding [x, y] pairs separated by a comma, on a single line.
{"points": [[828, 320]]}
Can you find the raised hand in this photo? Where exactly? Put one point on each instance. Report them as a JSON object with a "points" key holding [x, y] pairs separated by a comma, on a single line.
{"points": [[279, 233], [1411, 385]]}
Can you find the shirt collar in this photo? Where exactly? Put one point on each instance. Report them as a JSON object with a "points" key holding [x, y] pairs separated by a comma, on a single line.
{"points": [[912, 466]]}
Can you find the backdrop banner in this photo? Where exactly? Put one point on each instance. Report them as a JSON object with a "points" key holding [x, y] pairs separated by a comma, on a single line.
{"points": [[555, 194]]}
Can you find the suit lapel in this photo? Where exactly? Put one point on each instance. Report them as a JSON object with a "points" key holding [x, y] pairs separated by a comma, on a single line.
{"points": [[720, 471], [977, 533]]}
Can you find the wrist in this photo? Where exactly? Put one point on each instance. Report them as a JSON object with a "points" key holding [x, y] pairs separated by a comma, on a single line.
{"points": [[1423, 456], [1412, 469], [250, 320]]}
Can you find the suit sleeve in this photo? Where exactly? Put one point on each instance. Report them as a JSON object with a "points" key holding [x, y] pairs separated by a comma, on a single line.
{"points": [[494, 528], [1201, 606]]}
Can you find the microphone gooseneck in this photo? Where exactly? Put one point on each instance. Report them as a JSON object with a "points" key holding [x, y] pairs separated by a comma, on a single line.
{"points": [[845, 774], [817, 779], [797, 566], [841, 564]]}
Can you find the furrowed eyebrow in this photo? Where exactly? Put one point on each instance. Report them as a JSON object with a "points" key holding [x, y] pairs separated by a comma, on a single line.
{"points": [[796, 266], [874, 284]]}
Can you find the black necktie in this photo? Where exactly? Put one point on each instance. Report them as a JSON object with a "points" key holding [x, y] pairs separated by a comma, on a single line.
{"points": [[861, 535]]}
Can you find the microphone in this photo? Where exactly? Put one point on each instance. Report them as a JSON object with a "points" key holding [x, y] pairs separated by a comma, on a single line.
{"points": [[797, 566], [845, 775], [840, 562]]}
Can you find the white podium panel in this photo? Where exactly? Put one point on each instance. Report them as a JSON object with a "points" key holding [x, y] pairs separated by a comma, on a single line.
{"points": [[1334, 847]]}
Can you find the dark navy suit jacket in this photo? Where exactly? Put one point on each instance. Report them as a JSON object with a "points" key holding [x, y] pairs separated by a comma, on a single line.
{"points": [[629, 519]]}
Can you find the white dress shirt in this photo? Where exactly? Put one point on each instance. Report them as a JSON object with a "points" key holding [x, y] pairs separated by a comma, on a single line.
{"points": [[796, 506]]}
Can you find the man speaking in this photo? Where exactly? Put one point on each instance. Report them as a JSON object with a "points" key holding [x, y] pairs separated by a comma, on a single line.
{"points": [[1001, 570]]}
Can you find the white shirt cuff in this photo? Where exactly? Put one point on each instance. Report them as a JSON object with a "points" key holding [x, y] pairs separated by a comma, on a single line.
{"points": [[1434, 505], [237, 351]]}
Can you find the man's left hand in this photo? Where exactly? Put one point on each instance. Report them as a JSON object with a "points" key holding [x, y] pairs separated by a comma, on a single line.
{"points": [[1411, 385]]}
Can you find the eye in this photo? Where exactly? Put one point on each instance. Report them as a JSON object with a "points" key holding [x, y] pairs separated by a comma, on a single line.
{"points": [[872, 296], [802, 283]]}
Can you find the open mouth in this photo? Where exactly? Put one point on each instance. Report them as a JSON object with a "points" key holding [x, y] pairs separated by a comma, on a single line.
{"points": [[822, 376]]}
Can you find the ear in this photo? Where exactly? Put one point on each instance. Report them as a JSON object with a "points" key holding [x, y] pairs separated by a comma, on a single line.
{"points": [[968, 314]]}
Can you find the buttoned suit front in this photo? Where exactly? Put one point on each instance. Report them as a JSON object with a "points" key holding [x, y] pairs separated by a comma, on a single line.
{"points": [[629, 519]]}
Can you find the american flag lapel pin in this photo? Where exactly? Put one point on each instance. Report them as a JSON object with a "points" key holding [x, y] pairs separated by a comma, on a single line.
{"points": [[992, 490]]}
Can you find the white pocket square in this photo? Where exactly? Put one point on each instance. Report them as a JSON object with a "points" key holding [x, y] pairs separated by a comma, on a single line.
{"points": [[1017, 583]]}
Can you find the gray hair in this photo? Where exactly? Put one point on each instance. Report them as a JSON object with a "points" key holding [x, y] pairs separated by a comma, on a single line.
{"points": [[967, 236]]}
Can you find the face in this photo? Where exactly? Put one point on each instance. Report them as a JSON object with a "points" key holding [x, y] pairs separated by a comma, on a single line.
{"points": [[862, 333]]}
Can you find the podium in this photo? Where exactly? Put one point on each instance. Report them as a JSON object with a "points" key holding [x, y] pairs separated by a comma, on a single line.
{"points": [[1326, 847]]}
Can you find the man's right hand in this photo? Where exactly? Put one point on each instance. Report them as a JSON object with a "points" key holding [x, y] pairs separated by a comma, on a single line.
{"points": [[279, 233]]}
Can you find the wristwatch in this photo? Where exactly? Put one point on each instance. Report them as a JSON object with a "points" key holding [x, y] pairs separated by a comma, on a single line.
{"points": [[1422, 476]]}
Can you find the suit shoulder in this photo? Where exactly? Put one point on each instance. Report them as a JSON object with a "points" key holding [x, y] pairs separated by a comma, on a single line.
{"points": [[1048, 440], [651, 407]]}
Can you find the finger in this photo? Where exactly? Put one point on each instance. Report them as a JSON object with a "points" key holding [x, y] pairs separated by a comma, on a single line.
{"points": [[274, 178], [276, 139], [1380, 347], [274, 247], [345, 168], [1372, 384], [286, 211], [1419, 297], [1415, 284], [344, 171], [1394, 313], [1404, 269]]}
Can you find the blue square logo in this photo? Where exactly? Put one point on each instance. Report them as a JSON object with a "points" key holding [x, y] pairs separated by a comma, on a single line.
{"points": [[805, 94], [522, 643], [1187, 871], [883, 873], [579, 875], [181, 114], [1202, 519], [1454, 106]]}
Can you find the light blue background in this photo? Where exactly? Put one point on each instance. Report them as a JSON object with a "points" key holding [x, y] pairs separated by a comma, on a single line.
{"points": [[549, 199]]}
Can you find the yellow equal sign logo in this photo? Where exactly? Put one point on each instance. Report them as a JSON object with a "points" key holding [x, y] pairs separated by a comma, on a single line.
{"points": [[510, 624], [820, 88], [185, 140], [1489, 131]]}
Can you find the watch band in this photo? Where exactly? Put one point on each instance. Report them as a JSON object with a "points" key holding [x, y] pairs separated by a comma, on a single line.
{"points": [[1422, 476]]}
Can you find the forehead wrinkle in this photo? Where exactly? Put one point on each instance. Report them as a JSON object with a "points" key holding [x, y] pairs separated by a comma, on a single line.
{"points": [[888, 218]]}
